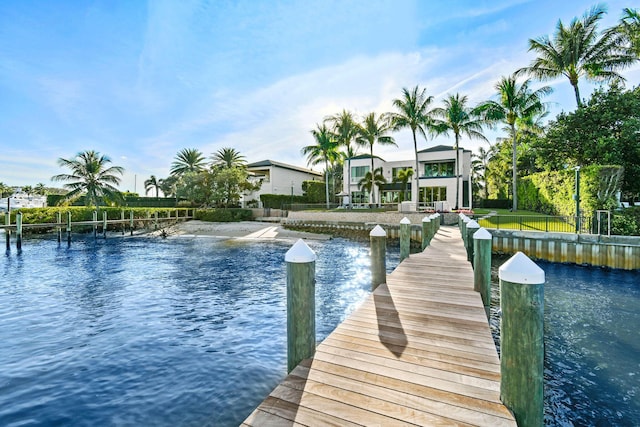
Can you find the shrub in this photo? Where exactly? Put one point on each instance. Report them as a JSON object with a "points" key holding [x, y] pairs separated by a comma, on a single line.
{"points": [[626, 222], [223, 215]]}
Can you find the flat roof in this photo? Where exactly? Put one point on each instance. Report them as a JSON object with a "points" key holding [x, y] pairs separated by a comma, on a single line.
{"points": [[269, 163]]}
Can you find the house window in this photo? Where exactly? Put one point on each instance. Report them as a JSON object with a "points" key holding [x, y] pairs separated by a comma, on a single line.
{"points": [[394, 171], [360, 197], [433, 194], [440, 169], [358, 172]]}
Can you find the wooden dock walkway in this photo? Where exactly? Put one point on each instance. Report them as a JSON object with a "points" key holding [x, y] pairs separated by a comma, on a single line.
{"points": [[418, 351]]}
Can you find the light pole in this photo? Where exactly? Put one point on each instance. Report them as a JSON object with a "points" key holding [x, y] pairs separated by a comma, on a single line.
{"points": [[576, 197]]}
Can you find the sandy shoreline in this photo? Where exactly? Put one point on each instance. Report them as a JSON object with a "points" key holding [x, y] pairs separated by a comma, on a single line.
{"points": [[246, 230]]}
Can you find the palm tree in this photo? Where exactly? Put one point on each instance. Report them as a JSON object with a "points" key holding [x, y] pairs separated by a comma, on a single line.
{"points": [[403, 176], [345, 130], [373, 178], [372, 131], [169, 186], [324, 150], [40, 189], [187, 160], [5, 189], [28, 190], [90, 174], [228, 158], [628, 31], [414, 113], [152, 183], [578, 51], [461, 120], [517, 104], [480, 165]]}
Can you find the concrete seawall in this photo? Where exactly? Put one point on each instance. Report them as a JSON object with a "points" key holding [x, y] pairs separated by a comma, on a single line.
{"points": [[584, 249]]}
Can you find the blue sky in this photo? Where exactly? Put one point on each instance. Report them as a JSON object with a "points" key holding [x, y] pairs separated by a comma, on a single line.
{"points": [[138, 81]]}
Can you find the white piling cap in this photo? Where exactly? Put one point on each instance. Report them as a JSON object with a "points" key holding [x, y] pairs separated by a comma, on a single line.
{"points": [[466, 219], [473, 224], [378, 232], [482, 234], [300, 253], [426, 219], [461, 215], [405, 220], [520, 269]]}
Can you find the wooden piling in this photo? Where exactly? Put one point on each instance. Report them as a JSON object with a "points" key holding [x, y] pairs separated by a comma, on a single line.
{"points": [[426, 231], [155, 223], [95, 224], [378, 239], [19, 231], [521, 339], [104, 224], [59, 227], [405, 238], [131, 221], [124, 224], [301, 311], [7, 232], [68, 228], [482, 266], [471, 227]]}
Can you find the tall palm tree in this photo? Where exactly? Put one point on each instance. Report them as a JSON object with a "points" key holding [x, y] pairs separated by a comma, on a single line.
{"points": [[373, 130], [324, 150], [414, 113], [187, 160], [228, 158], [628, 31], [579, 51], [90, 174], [169, 186], [152, 183], [517, 104], [345, 129], [373, 178], [460, 119], [480, 165]]}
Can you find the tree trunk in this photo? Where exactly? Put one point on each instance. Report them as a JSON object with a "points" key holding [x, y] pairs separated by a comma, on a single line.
{"points": [[577, 93], [457, 172], [372, 196], [416, 174], [349, 179], [514, 185], [326, 182]]}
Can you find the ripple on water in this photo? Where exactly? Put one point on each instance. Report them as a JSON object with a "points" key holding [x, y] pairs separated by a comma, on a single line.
{"points": [[139, 331]]}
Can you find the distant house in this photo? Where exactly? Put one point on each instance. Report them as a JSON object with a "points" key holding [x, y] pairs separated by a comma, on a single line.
{"points": [[277, 178], [437, 172]]}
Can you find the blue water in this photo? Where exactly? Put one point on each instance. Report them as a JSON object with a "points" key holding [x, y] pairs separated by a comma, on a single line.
{"points": [[592, 345], [143, 331]]}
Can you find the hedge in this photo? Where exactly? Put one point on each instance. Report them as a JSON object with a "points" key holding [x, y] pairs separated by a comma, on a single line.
{"points": [[223, 215], [129, 201], [276, 201]]}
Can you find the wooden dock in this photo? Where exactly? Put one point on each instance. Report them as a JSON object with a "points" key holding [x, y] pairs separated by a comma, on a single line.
{"points": [[418, 351]]}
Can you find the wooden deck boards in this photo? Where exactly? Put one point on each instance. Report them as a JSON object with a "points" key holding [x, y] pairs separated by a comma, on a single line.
{"points": [[418, 351]]}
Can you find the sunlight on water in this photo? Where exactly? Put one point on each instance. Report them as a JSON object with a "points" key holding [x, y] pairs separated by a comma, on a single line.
{"points": [[592, 345], [139, 331]]}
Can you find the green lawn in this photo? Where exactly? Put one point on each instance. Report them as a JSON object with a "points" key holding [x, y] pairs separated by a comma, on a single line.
{"points": [[529, 221]]}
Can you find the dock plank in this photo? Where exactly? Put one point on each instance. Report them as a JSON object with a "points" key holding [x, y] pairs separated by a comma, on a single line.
{"points": [[418, 351]]}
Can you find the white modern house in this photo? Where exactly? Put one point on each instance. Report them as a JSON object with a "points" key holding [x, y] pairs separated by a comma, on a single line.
{"points": [[437, 174], [277, 178]]}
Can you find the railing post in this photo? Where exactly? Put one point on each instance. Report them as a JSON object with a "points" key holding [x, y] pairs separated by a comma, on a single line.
{"points": [[471, 227], [19, 231], [59, 227], [7, 232], [104, 224], [131, 221], [405, 238], [124, 224], [95, 224], [482, 266], [521, 339], [68, 228], [378, 239], [426, 231], [301, 311]]}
